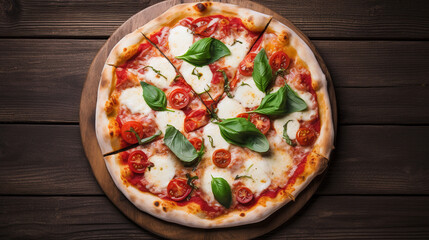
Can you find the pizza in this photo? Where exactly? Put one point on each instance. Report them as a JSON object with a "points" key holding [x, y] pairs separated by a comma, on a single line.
{"points": [[212, 115]]}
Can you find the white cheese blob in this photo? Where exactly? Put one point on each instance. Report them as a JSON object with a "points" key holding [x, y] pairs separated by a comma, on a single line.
{"points": [[132, 98], [258, 169], [166, 69], [310, 111], [161, 173], [198, 84], [278, 164], [175, 119], [206, 180], [292, 126], [213, 131], [229, 108], [248, 94], [179, 40], [239, 49]]}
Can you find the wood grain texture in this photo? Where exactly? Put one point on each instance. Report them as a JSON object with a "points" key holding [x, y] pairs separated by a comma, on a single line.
{"points": [[330, 217], [385, 19], [42, 79], [368, 160]]}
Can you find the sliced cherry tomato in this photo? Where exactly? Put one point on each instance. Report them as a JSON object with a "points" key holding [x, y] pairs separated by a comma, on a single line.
{"points": [[262, 122], [246, 66], [221, 158], [243, 115], [129, 137], [305, 136], [196, 142], [202, 26], [178, 189], [244, 195], [279, 60], [196, 119], [178, 98], [137, 161]]}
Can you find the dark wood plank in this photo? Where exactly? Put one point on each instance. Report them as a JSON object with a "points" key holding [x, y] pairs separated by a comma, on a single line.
{"points": [[376, 64], [42, 79], [44, 159], [352, 19], [49, 160], [405, 105], [329, 217]]}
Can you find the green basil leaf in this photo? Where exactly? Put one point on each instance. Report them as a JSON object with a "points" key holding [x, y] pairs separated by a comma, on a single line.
{"points": [[217, 50], [154, 97], [226, 87], [240, 132], [286, 137], [221, 191], [294, 102], [262, 72], [274, 103], [204, 52], [282, 102], [144, 140], [180, 145]]}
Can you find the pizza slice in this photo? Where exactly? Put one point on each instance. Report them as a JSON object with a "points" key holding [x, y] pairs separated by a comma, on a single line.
{"points": [[140, 92], [206, 42]]}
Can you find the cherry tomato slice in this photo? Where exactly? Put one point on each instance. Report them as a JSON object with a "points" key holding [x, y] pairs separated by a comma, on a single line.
{"points": [[305, 136], [279, 60], [221, 158], [178, 98], [178, 189], [196, 142], [246, 66], [129, 137], [196, 119], [202, 26], [137, 161], [243, 115], [262, 122], [244, 195]]}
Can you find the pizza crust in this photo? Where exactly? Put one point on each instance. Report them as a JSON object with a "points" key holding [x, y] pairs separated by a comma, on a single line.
{"points": [[168, 210]]}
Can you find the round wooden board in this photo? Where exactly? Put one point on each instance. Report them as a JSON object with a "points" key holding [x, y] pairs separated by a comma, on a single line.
{"points": [[93, 153]]}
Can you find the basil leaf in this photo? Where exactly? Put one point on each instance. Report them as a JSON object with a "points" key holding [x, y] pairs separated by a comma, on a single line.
{"points": [[286, 137], [274, 103], [294, 102], [226, 87], [154, 97], [144, 140], [217, 50], [239, 131], [179, 145], [262, 73], [221, 191], [282, 102], [243, 176], [204, 52]]}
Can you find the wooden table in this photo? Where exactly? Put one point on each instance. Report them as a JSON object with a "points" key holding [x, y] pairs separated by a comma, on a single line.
{"points": [[377, 185]]}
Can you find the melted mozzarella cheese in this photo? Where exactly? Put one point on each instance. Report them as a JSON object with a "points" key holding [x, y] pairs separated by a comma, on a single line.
{"points": [[175, 119], [132, 98], [166, 69], [161, 173], [278, 163], [310, 112], [292, 127], [229, 108], [213, 131], [248, 94], [207, 179], [259, 170], [198, 84], [179, 40], [239, 49]]}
